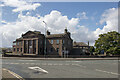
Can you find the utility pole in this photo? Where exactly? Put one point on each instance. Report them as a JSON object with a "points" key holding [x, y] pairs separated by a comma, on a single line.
{"points": [[45, 39]]}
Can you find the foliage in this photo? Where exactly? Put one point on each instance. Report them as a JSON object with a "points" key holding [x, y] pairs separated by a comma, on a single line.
{"points": [[109, 43], [92, 49]]}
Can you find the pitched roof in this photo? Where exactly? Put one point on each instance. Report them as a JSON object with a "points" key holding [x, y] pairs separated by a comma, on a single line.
{"points": [[79, 44], [56, 35]]}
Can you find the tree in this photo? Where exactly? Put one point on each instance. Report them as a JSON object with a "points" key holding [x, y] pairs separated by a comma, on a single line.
{"points": [[109, 43], [92, 49]]}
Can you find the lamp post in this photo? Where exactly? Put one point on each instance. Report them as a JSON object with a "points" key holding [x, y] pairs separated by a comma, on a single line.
{"points": [[45, 38]]}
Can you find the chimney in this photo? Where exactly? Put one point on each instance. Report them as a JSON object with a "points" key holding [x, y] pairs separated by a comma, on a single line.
{"points": [[88, 43], [48, 33], [65, 30]]}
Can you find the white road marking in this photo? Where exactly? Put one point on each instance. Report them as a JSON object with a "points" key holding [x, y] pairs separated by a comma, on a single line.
{"points": [[107, 72], [49, 64], [22, 63], [32, 63], [67, 64], [14, 74], [38, 69], [26, 60], [73, 61]]}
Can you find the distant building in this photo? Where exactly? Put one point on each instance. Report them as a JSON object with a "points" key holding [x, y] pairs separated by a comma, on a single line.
{"points": [[33, 42], [80, 48]]}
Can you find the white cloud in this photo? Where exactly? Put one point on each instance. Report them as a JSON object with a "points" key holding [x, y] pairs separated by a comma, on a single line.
{"points": [[20, 5], [110, 18], [3, 21], [56, 23], [82, 15]]}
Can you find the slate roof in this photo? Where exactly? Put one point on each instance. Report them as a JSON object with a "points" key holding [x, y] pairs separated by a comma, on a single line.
{"points": [[79, 44], [56, 35]]}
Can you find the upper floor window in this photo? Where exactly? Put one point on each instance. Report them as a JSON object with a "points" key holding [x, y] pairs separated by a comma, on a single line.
{"points": [[21, 42], [17, 43], [51, 41], [57, 41], [63, 41]]}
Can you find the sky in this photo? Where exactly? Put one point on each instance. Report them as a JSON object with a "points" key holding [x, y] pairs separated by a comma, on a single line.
{"points": [[85, 20]]}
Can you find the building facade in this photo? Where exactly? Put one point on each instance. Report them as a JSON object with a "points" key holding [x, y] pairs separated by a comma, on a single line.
{"points": [[33, 42], [80, 48]]}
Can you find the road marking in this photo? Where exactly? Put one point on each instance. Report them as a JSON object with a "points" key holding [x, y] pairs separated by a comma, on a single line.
{"points": [[26, 63], [49, 64], [73, 61], [16, 63], [22, 63], [14, 74], [38, 69], [67, 64], [107, 72], [60, 64], [32, 63]]}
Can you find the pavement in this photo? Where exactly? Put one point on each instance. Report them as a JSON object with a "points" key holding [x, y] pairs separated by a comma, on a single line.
{"points": [[9, 75], [59, 68], [28, 58]]}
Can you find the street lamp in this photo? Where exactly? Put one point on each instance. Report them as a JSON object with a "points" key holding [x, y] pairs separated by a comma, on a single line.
{"points": [[45, 38]]}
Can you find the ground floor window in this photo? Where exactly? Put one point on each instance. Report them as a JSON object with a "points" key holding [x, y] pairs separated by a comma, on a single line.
{"points": [[51, 49], [17, 49], [57, 49], [14, 49], [21, 49]]}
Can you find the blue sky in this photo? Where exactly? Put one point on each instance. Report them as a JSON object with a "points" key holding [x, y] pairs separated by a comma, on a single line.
{"points": [[82, 18], [93, 11]]}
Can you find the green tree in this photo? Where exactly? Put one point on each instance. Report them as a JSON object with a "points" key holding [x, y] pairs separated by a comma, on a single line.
{"points": [[109, 42], [92, 49]]}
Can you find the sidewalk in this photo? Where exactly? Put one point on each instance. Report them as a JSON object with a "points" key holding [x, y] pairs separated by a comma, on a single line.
{"points": [[27, 58], [9, 75]]}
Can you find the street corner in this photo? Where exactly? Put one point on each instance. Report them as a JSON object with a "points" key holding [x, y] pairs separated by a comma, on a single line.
{"points": [[9, 75]]}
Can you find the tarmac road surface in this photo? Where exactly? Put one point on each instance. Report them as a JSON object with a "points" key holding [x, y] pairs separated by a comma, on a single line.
{"points": [[62, 68]]}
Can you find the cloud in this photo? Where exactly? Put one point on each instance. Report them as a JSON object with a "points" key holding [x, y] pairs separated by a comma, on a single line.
{"points": [[56, 23], [82, 15], [4, 22], [20, 5], [110, 18]]}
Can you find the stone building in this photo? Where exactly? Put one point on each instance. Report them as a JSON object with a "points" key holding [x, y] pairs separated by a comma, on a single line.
{"points": [[80, 48], [33, 42]]}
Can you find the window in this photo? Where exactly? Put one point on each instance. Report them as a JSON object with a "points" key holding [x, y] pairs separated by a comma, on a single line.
{"points": [[17, 49], [21, 42], [51, 49], [40, 49], [14, 49], [46, 49], [57, 50], [21, 49], [17, 43], [63, 41], [40, 42], [57, 41], [51, 41]]}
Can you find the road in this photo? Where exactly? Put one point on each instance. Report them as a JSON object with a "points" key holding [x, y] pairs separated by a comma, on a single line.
{"points": [[62, 68]]}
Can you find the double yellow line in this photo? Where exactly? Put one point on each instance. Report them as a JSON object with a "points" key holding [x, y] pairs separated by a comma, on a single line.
{"points": [[14, 74]]}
